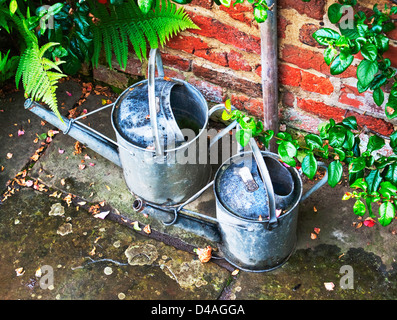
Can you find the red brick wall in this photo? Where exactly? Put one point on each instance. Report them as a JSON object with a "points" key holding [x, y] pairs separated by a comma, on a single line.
{"points": [[222, 59]]}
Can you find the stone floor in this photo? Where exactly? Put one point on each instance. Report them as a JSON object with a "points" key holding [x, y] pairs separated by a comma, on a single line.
{"points": [[54, 247]]}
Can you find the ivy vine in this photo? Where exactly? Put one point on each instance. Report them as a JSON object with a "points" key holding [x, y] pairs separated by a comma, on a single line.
{"points": [[373, 177]]}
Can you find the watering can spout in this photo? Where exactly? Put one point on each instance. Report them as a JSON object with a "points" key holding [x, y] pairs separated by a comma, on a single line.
{"points": [[82, 133]]}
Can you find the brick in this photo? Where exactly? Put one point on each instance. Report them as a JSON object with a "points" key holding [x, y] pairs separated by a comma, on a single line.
{"points": [[306, 35], [240, 13], [227, 80], [133, 67], [321, 109], [282, 24], [188, 44], [314, 9], [202, 3], [236, 61], [219, 58], [110, 77], [251, 105], [378, 125], [212, 28], [289, 76], [308, 59], [198, 47], [313, 83], [210, 91], [349, 96], [174, 61], [258, 70], [288, 99], [306, 80]]}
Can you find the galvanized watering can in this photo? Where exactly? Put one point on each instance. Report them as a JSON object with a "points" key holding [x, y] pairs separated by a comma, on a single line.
{"points": [[257, 202], [148, 119], [256, 197]]}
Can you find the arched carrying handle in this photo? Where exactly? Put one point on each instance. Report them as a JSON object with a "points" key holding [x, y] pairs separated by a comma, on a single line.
{"points": [[154, 59], [267, 182]]}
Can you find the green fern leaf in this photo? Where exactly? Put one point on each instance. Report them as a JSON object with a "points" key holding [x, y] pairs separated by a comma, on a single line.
{"points": [[112, 27]]}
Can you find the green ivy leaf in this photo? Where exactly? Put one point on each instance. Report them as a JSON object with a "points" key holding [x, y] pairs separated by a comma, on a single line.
{"points": [[337, 136], [373, 180], [350, 122], [338, 65], [356, 165], [359, 208], [309, 166], [378, 96], [387, 213], [145, 5], [335, 12], [313, 141], [13, 6], [369, 51], [226, 115], [335, 171], [326, 36], [375, 143], [349, 140], [391, 173], [366, 72], [387, 189], [243, 137], [287, 151], [360, 183], [329, 54]]}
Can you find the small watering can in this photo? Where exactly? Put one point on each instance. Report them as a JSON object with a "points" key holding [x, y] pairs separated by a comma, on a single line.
{"points": [[257, 202], [148, 119]]}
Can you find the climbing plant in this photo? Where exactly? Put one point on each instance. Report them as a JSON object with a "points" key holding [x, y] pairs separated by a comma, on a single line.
{"points": [[373, 177], [78, 33], [365, 34]]}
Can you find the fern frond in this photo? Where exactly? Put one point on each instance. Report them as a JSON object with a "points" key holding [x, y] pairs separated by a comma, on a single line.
{"points": [[117, 23], [34, 69]]}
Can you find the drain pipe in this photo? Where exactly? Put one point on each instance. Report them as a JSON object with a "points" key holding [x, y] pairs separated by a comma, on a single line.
{"points": [[269, 59]]}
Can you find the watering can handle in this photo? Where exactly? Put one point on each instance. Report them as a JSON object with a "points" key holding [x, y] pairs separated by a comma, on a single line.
{"points": [[221, 133], [267, 182], [154, 59]]}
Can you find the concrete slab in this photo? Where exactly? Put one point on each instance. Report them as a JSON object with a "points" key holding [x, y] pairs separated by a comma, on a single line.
{"points": [[90, 262], [14, 117]]}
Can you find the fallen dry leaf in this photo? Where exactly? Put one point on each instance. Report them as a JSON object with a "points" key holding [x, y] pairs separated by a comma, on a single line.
{"points": [[235, 272], [147, 229], [20, 271], [204, 254], [329, 286]]}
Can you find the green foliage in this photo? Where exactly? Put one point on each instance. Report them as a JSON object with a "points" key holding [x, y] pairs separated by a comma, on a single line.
{"points": [[8, 66], [81, 29], [374, 175], [365, 35], [115, 25], [260, 7], [39, 74]]}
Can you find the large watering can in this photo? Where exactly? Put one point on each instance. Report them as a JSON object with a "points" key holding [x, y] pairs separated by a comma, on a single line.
{"points": [[150, 120]]}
